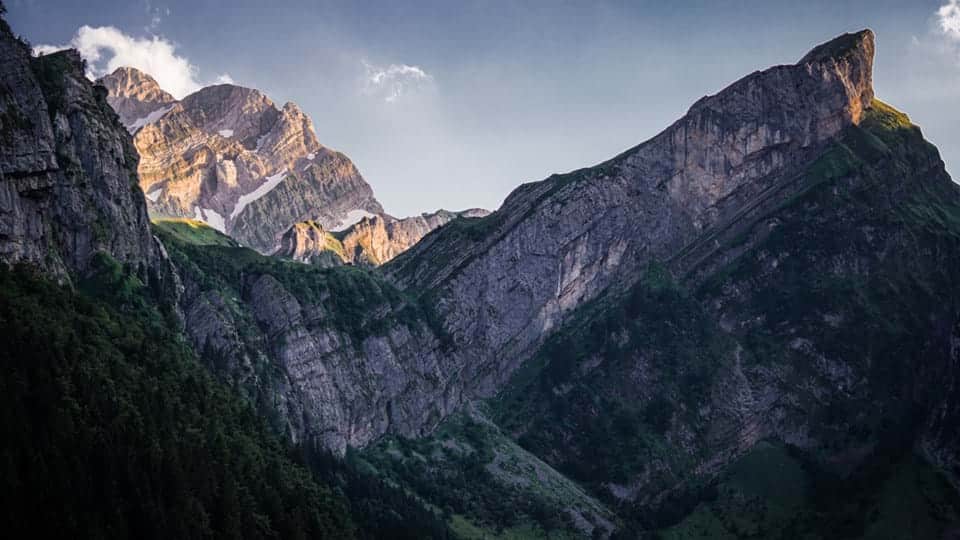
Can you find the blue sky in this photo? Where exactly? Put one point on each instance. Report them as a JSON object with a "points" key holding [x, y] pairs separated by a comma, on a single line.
{"points": [[453, 104]]}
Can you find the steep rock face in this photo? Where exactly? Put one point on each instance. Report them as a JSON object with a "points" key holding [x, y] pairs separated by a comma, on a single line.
{"points": [[483, 293], [372, 241], [68, 186], [228, 156], [821, 319], [335, 355], [505, 281]]}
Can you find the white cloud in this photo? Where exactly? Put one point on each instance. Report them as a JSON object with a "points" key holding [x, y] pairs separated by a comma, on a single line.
{"points": [[41, 50], [224, 78], [948, 19], [106, 48], [393, 81]]}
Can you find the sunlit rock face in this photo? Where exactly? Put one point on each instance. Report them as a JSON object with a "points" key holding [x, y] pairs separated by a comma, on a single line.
{"points": [[371, 241], [229, 156]]}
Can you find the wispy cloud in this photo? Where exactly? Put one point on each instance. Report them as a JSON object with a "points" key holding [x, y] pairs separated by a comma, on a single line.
{"points": [[156, 15], [392, 82], [107, 48]]}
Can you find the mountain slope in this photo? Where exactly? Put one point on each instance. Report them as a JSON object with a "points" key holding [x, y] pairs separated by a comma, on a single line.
{"points": [[762, 291], [110, 427], [825, 325], [773, 269], [483, 294], [228, 156], [507, 280]]}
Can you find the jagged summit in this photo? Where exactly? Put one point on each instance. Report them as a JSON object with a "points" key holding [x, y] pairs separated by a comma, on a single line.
{"points": [[851, 57], [228, 155], [860, 44], [134, 95], [696, 175]]}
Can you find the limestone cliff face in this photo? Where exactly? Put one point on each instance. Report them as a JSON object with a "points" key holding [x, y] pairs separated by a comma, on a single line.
{"points": [[508, 280], [68, 185], [229, 156], [371, 241], [486, 292]]}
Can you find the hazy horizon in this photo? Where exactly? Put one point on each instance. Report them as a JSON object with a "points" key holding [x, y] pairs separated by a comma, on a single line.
{"points": [[453, 106]]}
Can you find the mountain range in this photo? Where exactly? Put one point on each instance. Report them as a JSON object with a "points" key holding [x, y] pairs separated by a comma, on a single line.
{"points": [[228, 156], [744, 327]]}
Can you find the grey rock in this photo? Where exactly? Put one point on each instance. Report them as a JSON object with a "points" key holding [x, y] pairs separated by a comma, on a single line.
{"points": [[68, 185], [498, 285]]}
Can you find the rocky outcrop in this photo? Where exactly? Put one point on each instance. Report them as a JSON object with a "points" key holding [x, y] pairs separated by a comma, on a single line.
{"points": [[229, 156], [378, 239], [371, 241], [68, 185], [308, 242]]}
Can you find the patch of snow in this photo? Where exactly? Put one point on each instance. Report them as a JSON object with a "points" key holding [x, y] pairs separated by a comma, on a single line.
{"points": [[210, 217], [148, 119], [311, 156], [272, 182], [353, 216], [226, 132], [215, 220], [154, 195]]}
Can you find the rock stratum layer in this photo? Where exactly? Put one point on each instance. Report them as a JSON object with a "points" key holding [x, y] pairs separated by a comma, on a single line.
{"points": [[230, 157]]}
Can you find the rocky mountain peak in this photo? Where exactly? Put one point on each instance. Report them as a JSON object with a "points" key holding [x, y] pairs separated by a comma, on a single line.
{"points": [[849, 58], [134, 95], [243, 113], [860, 45], [131, 82], [228, 155]]}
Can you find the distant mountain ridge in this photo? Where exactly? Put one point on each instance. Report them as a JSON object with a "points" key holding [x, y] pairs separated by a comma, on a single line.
{"points": [[374, 240], [227, 155]]}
